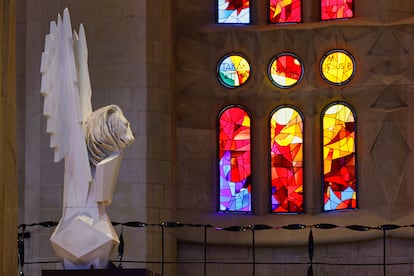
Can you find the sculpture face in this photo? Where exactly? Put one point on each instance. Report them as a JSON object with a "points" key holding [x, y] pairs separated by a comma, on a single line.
{"points": [[123, 131], [107, 131]]}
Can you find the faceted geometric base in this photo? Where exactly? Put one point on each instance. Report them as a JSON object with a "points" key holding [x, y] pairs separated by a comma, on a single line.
{"points": [[85, 240]]}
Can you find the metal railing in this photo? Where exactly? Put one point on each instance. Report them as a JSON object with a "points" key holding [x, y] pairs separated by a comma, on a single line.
{"points": [[24, 234]]}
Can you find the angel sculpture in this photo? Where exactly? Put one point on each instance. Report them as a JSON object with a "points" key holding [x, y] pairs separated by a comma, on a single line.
{"points": [[91, 144]]}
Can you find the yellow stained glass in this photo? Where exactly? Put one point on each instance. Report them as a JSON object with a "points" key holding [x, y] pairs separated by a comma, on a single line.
{"points": [[337, 67], [246, 121], [341, 148]]}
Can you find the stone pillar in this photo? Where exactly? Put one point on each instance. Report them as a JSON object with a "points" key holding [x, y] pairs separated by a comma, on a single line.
{"points": [[8, 168], [159, 131]]}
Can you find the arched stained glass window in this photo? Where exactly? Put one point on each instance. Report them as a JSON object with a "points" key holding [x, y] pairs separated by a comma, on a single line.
{"points": [[285, 70], [337, 9], [337, 67], [339, 157], [233, 70], [286, 155], [233, 11], [285, 11], [234, 160]]}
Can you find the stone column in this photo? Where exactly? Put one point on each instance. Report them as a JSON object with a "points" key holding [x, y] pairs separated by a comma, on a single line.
{"points": [[8, 168]]}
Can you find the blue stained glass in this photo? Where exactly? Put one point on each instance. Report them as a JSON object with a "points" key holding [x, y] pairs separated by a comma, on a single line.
{"points": [[233, 11]]}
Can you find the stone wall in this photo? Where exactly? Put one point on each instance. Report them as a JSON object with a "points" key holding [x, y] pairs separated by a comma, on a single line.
{"points": [[157, 60], [341, 259], [379, 37]]}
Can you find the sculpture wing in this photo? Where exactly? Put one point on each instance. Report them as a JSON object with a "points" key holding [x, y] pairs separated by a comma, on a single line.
{"points": [[81, 57], [63, 110]]}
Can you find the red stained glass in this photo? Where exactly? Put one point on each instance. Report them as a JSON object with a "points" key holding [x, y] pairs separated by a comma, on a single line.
{"points": [[339, 158], [234, 160], [285, 11], [237, 5], [337, 9], [285, 70], [286, 150]]}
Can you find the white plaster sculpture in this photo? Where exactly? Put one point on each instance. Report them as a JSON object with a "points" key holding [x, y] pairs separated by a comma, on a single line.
{"points": [[91, 144]]}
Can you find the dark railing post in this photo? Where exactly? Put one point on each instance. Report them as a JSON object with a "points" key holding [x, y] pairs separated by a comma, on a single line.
{"points": [[162, 248], [384, 251], [20, 248], [205, 250], [384, 228], [310, 253], [254, 251]]}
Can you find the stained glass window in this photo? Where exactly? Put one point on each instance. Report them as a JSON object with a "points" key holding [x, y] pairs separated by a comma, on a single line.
{"points": [[233, 11], [337, 67], [337, 9], [234, 160], [339, 159], [285, 11], [286, 154], [285, 70], [233, 70]]}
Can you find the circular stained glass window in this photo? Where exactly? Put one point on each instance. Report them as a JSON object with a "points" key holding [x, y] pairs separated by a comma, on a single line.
{"points": [[233, 70], [285, 70], [337, 67]]}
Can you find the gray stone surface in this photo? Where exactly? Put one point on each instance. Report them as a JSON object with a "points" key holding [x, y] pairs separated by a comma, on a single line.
{"points": [[162, 57]]}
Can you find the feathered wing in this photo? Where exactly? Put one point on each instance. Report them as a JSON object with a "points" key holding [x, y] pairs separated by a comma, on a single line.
{"points": [[81, 57], [63, 110]]}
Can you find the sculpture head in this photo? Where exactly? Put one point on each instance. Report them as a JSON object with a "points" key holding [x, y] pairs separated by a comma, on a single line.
{"points": [[107, 131]]}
